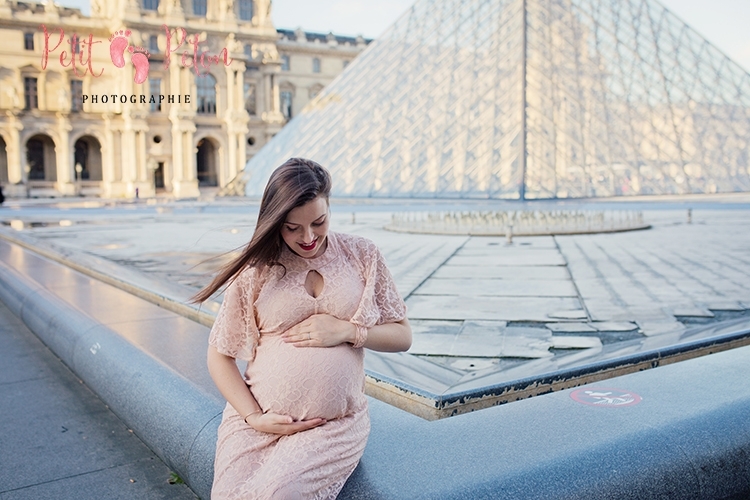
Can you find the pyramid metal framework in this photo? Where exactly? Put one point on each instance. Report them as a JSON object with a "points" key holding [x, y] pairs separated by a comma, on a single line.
{"points": [[527, 99]]}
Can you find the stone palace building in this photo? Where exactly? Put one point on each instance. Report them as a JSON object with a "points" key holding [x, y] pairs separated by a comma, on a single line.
{"points": [[149, 96]]}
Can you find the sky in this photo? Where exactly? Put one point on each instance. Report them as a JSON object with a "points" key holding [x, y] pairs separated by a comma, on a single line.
{"points": [[725, 23]]}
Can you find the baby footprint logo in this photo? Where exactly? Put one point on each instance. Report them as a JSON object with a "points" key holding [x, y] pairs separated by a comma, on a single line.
{"points": [[140, 61], [118, 43]]}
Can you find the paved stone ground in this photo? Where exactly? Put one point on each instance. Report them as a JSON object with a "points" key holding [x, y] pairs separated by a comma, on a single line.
{"points": [[468, 297], [58, 440]]}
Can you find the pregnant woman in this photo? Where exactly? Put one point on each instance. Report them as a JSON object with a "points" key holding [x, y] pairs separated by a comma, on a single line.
{"points": [[301, 304]]}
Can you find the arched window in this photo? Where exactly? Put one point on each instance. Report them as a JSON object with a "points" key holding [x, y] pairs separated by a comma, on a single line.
{"points": [[40, 158], [88, 154], [206, 94], [206, 163], [35, 159], [316, 65], [284, 62], [245, 10]]}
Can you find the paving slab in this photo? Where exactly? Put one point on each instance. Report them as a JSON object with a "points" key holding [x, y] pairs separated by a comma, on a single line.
{"points": [[530, 258], [678, 265], [411, 258], [725, 305], [692, 311], [574, 327], [574, 342], [497, 287], [519, 242], [487, 308], [526, 273], [530, 343], [472, 364], [614, 326], [571, 314], [651, 328], [441, 327]]}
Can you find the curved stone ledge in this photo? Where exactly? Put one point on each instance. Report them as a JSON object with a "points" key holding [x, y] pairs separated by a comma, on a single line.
{"points": [[554, 448]]}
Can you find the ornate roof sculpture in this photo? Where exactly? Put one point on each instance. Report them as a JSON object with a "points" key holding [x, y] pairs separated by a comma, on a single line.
{"points": [[527, 99]]}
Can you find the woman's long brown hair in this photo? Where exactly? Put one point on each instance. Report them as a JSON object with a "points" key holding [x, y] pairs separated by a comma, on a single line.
{"points": [[293, 184]]}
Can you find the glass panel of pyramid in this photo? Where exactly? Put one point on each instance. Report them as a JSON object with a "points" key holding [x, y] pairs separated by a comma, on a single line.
{"points": [[527, 99]]}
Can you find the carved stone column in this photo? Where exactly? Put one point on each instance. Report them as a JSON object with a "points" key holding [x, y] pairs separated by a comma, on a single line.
{"points": [[13, 149], [128, 159], [63, 158], [184, 173], [108, 151]]}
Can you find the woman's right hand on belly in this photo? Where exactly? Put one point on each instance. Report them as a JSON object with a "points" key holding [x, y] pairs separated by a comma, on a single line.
{"points": [[273, 423]]}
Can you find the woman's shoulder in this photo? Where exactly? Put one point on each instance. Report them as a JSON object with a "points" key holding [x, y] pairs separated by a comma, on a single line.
{"points": [[252, 276], [355, 244]]}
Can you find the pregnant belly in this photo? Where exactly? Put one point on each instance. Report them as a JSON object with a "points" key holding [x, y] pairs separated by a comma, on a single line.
{"points": [[307, 382]]}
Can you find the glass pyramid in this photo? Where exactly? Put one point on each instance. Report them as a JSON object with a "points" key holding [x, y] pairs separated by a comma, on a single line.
{"points": [[527, 99]]}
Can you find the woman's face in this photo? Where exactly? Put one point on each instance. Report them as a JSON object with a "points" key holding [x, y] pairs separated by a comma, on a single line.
{"points": [[306, 228]]}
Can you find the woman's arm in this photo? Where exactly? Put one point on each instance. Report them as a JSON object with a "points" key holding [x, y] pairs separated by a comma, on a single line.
{"points": [[323, 330], [230, 383], [389, 337]]}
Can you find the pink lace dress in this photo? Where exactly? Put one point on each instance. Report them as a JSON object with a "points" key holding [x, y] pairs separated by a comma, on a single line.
{"points": [[304, 382]]}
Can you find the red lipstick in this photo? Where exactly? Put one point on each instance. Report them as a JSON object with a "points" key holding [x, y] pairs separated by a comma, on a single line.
{"points": [[309, 247]]}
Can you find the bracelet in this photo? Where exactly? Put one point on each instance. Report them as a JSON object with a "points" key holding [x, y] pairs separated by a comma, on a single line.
{"points": [[360, 337], [251, 413]]}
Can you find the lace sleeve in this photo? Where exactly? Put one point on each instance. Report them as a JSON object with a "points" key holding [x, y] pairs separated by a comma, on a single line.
{"points": [[234, 332], [381, 303]]}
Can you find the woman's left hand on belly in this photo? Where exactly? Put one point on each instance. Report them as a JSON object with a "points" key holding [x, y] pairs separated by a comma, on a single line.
{"points": [[274, 423], [320, 330]]}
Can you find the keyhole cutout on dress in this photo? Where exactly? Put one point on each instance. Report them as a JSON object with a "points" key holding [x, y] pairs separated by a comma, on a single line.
{"points": [[313, 283]]}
